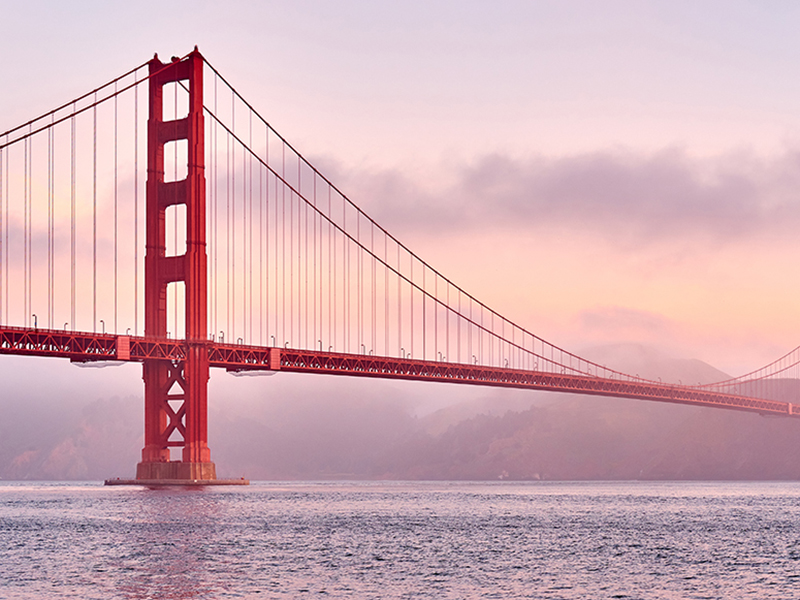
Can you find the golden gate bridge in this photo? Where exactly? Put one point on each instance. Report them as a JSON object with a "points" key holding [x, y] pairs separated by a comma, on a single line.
{"points": [[159, 218]]}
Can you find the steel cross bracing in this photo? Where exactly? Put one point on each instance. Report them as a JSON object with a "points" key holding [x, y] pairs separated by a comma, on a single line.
{"points": [[84, 347]]}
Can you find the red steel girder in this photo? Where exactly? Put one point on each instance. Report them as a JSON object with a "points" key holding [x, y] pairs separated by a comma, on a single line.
{"points": [[397, 368], [76, 346], [81, 347]]}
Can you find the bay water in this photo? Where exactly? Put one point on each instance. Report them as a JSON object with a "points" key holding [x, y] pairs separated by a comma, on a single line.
{"points": [[555, 540]]}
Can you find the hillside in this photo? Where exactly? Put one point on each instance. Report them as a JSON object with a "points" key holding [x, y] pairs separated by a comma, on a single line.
{"points": [[296, 427]]}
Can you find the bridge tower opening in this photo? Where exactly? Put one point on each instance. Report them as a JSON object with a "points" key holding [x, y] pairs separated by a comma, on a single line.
{"points": [[176, 392]]}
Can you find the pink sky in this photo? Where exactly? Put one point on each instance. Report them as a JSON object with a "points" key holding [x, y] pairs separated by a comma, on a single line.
{"points": [[597, 173]]}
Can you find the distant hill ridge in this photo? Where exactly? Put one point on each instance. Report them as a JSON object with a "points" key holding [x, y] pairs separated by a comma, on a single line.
{"points": [[314, 427]]}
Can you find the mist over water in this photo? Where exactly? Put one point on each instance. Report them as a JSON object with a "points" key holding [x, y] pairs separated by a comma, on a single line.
{"points": [[402, 540]]}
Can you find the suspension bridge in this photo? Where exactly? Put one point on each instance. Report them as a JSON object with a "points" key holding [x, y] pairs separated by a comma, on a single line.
{"points": [[159, 218]]}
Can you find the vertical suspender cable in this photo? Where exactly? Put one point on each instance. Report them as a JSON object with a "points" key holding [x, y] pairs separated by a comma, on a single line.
{"points": [[53, 232], [49, 204], [386, 293], [215, 212], [304, 281], [247, 233], [136, 205], [50, 240], [331, 277], [317, 288], [116, 167], [4, 291], [411, 301], [261, 254], [347, 287], [2, 239], [73, 285], [94, 216], [323, 283], [458, 329], [435, 317], [228, 231], [303, 206], [501, 343], [468, 331], [30, 228], [360, 283], [447, 323], [399, 304], [277, 226], [7, 228], [321, 274], [424, 322], [244, 241], [265, 315], [374, 289], [211, 190], [283, 310], [291, 268], [232, 231], [27, 315], [250, 227]]}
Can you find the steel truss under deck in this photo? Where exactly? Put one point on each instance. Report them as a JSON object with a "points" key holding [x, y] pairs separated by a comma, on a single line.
{"points": [[87, 347]]}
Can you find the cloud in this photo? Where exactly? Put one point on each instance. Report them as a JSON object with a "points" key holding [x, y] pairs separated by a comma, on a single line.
{"points": [[626, 323], [625, 196]]}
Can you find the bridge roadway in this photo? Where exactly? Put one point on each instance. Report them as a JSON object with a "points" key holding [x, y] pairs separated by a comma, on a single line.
{"points": [[87, 347]]}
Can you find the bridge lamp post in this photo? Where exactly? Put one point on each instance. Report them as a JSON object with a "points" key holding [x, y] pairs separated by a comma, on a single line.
{"points": [[103, 325], [221, 337], [35, 321], [320, 345]]}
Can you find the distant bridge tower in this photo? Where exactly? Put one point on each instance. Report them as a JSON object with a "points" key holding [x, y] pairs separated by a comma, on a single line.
{"points": [[176, 392]]}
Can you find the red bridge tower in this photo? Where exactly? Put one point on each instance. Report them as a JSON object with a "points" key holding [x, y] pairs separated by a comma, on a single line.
{"points": [[176, 393]]}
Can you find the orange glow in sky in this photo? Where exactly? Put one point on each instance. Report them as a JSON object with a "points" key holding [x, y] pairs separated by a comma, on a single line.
{"points": [[598, 173]]}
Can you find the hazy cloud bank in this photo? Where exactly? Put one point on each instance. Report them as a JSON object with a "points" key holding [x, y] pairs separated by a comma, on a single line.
{"points": [[625, 196], [628, 323]]}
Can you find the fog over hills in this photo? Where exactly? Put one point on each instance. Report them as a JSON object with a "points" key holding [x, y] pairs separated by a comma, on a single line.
{"points": [[289, 426]]}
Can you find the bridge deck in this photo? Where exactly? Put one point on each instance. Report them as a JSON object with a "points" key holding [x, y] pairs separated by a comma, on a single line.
{"points": [[86, 347]]}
